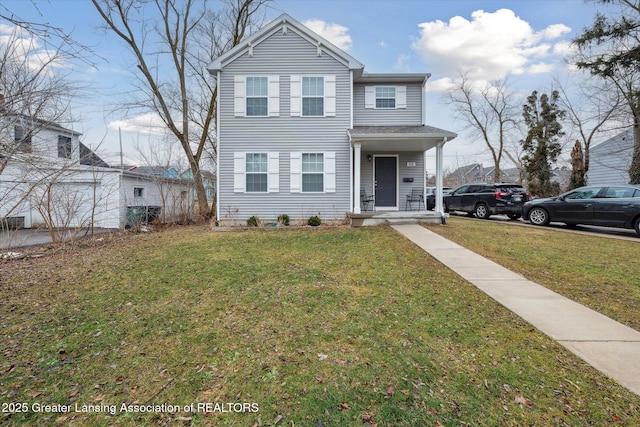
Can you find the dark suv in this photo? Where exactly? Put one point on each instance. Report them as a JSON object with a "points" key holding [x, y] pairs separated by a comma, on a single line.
{"points": [[486, 199]]}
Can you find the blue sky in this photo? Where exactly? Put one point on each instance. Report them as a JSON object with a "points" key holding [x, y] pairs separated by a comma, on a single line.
{"points": [[524, 40]]}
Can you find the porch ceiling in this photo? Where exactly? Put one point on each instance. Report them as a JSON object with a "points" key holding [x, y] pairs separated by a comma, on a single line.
{"points": [[398, 138]]}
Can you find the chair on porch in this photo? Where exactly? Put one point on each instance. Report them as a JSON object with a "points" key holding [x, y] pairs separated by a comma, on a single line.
{"points": [[367, 201], [416, 196]]}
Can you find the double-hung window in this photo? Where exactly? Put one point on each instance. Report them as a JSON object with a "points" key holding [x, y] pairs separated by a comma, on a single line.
{"points": [[256, 172], [23, 141], [64, 147], [313, 96], [385, 97], [312, 172], [257, 96]]}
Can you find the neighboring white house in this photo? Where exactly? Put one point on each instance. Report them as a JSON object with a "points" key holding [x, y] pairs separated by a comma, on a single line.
{"points": [[303, 130], [49, 179], [609, 161]]}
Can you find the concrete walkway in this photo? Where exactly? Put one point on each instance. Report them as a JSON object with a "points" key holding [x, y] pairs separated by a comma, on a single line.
{"points": [[608, 346]]}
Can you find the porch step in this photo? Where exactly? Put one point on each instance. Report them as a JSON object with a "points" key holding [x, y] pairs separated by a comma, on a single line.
{"points": [[401, 221]]}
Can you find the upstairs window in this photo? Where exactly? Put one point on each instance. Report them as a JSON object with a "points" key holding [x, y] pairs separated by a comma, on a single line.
{"points": [[312, 172], [22, 140], [138, 191], [64, 147], [385, 97], [257, 96], [313, 96]]}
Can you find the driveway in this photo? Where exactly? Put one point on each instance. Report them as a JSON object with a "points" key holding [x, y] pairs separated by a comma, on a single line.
{"points": [[15, 239], [615, 233]]}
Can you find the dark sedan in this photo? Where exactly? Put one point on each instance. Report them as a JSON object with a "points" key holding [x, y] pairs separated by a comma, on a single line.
{"points": [[614, 206]]}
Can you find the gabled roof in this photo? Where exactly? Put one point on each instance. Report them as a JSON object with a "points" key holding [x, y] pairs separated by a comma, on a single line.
{"points": [[90, 158], [284, 23]]}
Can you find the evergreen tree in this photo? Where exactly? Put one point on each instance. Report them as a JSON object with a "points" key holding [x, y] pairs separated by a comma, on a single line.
{"points": [[541, 146], [610, 49]]}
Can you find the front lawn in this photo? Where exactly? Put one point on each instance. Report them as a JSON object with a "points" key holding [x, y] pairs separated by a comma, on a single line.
{"points": [[301, 327], [599, 272]]}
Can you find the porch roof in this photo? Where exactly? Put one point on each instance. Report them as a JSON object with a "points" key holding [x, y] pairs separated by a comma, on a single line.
{"points": [[398, 138]]}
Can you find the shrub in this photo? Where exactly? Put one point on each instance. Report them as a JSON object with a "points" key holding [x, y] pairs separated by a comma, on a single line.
{"points": [[283, 219], [253, 221], [314, 221]]}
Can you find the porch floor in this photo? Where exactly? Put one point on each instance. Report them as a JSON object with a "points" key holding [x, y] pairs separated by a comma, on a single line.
{"points": [[366, 219]]}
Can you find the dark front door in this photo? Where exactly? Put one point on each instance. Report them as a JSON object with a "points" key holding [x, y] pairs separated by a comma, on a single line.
{"points": [[386, 181]]}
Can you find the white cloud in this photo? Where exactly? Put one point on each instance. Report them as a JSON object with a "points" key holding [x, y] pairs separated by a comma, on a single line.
{"points": [[540, 68], [335, 33], [401, 64], [489, 46], [146, 124], [25, 48]]}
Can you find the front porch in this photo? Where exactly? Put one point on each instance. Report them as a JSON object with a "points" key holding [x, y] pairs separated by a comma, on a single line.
{"points": [[389, 172], [367, 219]]}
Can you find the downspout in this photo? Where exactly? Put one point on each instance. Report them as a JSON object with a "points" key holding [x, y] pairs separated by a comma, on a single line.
{"points": [[351, 166], [218, 149]]}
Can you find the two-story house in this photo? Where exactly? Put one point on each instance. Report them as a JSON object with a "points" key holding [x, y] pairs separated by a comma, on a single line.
{"points": [[302, 130]]}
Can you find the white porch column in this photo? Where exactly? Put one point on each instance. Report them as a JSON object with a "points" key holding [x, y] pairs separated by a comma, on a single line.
{"points": [[356, 177], [439, 175]]}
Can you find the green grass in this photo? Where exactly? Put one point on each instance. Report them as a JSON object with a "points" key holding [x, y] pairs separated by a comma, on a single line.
{"points": [[329, 326], [599, 272]]}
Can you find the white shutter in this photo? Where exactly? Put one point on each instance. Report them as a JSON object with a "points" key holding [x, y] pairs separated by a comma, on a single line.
{"points": [[274, 96], [295, 167], [369, 97], [296, 96], [401, 97], [274, 172], [330, 172], [239, 96], [330, 96], [239, 180]]}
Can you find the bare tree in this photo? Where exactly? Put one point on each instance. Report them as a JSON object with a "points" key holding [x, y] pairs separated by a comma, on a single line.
{"points": [[592, 108], [35, 91], [489, 111], [172, 50]]}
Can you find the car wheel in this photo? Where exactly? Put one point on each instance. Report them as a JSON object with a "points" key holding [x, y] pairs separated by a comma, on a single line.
{"points": [[538, 216], [482, 211], [636, 225], [514, 216]]}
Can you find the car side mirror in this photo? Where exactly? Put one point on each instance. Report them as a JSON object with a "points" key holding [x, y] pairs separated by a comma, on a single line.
{"points": [[561, 198]]}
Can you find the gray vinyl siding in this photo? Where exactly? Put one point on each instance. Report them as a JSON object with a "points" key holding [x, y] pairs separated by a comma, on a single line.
{"points": [[404, 188], [412, 115], [284, 55], [609, 161]]}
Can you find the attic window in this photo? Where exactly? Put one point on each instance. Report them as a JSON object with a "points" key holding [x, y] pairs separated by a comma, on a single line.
{"points": [[22, 140], [64, 147], [138, 191]]}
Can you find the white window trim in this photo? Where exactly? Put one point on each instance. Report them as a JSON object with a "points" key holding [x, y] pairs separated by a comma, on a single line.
{"points": [[240, 95], [370, 97], [240, 173], [329, 95], [329, 174]]}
